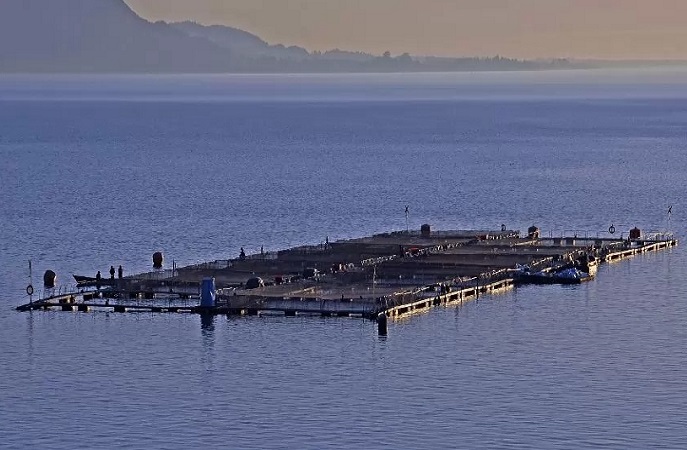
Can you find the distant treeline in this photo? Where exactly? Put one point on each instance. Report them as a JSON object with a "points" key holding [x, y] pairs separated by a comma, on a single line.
{"points": [[404, 63]]}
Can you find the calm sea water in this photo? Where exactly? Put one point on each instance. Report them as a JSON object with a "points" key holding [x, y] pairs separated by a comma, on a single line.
{"points": [[106, 170]]}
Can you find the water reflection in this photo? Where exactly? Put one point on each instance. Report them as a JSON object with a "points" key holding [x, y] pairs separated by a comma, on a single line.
{"points": [[207, 330], [29, 334], [207, 325]]}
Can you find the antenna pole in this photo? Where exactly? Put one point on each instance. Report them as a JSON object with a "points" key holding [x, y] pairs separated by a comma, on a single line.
{"points": [[30, 283]]}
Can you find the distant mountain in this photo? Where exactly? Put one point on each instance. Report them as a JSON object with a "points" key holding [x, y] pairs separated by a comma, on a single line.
{"points": [[240, 42], [107, 36], [253, 47], [97, 36], [223, 36]]}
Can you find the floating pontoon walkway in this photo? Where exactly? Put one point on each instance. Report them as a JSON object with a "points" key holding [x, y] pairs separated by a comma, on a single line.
{"points": [[390, 275]]}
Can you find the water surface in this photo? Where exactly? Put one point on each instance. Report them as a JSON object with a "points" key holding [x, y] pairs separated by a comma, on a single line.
{"points": [[106, 170]]}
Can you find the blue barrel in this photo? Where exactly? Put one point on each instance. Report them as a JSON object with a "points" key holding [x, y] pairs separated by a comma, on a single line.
{"points": [[207, 296]]}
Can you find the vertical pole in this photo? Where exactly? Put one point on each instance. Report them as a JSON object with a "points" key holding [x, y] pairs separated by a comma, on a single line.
{"points": [[30, 282], [670, 213]]}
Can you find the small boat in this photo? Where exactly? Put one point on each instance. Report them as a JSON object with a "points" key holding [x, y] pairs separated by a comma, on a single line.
{"points": [[92, 281], [571, 275]]}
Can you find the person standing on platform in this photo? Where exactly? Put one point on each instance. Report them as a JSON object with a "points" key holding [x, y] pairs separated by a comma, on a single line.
{"points": [[120, 272], [112, 272]]}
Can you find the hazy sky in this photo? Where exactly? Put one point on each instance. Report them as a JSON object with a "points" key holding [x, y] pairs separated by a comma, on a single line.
{"points": [[647, 29]]}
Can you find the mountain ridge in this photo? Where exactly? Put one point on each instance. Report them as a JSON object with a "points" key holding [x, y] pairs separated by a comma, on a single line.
{"points": [[108, 36], [96, 35]]}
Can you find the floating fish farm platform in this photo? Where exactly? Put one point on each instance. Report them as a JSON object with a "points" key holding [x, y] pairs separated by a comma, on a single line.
{"points": [[376, 277]]}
